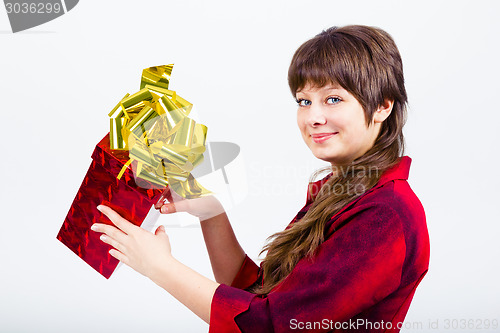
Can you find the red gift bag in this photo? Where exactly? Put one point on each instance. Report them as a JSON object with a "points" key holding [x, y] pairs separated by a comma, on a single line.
{"points": [[131, 198]]}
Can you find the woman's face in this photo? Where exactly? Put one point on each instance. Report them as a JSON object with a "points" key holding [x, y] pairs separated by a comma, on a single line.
{"points": [[332, 123]]}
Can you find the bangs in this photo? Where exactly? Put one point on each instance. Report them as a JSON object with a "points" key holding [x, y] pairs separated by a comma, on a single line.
{"points": [[318, 63]]}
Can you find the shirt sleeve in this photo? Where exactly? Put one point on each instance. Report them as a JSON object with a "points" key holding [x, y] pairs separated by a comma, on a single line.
{"points": [[359, 265], [247, 275]]}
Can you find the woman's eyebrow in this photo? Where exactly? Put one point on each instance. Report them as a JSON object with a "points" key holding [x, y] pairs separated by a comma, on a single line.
{"points": [[329, 87], [332, 88]]}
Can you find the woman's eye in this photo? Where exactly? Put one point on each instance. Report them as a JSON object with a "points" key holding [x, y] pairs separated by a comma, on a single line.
{"points": [[303, 102], [333, 100]]}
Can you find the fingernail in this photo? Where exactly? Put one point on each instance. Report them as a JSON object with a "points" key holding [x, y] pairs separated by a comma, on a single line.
{"points": [[103, 238], [93, 227], [164, 209], [99, 208]]}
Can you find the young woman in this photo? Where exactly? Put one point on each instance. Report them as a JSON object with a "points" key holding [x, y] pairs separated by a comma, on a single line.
{"points": [[353, 256]]}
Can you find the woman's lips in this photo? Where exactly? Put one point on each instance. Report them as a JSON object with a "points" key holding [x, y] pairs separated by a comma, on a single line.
{"points": [[318, 138]]}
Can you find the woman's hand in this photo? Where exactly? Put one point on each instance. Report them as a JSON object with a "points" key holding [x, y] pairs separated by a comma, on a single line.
{"points": [[204, 207], [143, 251], [150, 255]]}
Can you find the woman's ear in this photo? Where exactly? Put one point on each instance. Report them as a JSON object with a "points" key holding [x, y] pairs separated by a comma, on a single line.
{"points": [[383, 111]]}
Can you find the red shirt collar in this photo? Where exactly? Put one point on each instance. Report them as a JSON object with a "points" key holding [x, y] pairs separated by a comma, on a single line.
{"points": [[399, 171]]}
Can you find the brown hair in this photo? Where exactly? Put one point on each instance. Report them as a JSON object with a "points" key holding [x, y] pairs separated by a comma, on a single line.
{"points": [[366, 62]]}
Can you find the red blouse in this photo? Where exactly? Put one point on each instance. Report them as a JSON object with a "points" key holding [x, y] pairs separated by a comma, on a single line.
{"points": [[363, 278]]}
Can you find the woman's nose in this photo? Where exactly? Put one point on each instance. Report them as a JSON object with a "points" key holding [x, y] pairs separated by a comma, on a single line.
{"points": [[316, 116]]}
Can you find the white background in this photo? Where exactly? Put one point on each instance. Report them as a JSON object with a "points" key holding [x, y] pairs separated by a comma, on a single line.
{"points": [[59, 80]]}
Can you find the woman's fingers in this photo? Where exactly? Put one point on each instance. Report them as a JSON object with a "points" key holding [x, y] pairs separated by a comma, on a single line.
{"points": [[110, 231], [120, 256], [202, 207], [179, 206], [109, 240], [162, 199], [168, 208], [117, 220], [170, 196]]}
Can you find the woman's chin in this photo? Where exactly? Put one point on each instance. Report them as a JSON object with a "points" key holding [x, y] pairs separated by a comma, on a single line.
{"points": [[325, 157], [334, 159]]}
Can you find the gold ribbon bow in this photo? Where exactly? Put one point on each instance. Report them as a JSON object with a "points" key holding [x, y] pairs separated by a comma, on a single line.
{"points": [[153, 125]]}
